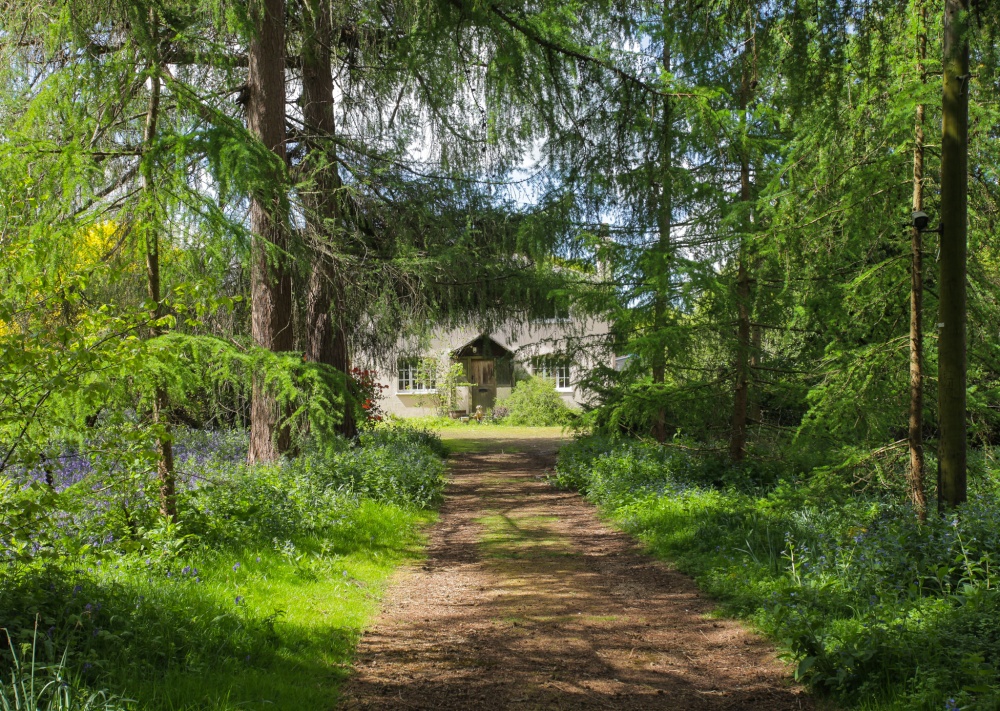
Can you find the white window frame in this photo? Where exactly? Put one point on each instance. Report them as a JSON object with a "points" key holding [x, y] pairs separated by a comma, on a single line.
{"points": [[554, 368], [559, 315], [408, 380]]}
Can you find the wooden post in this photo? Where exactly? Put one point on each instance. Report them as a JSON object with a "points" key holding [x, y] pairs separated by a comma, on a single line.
{"points": [[916, 425], [954, 215]]}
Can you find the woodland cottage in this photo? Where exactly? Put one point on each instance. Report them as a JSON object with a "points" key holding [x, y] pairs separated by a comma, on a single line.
{"points": [[455, 371]]}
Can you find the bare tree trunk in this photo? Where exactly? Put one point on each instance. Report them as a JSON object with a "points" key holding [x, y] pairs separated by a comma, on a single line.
{"points": [[916, 425], [741, 389], [161, 403], [326, 337], [952, 274], [664, 218], [754, 416], [270, 279]]}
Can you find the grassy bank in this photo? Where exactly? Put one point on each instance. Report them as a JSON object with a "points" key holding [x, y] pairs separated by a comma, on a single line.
{"points": [[875, 610], [254, 599]]}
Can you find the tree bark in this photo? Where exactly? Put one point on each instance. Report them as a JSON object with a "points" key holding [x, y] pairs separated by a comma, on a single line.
{"points": [[916, 424], [741, 389], [661, 265], [326, 334], [161, 401], [270, 279], [952, 294], [754, 414]]}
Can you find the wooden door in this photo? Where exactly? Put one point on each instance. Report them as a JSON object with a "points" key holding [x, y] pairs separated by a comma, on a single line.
{"points": [[482, 372]]}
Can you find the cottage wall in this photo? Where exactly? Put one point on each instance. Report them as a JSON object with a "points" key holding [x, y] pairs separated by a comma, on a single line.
{"points": [[582, 339]]}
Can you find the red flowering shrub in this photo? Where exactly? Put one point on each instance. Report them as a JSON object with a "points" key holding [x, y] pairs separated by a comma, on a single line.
{"points": [[370, 393]]}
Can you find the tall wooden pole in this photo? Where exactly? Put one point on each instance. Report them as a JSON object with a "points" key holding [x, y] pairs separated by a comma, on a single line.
{"points": [[954, 228], [741, 389], [661, 264], [915, 434]]}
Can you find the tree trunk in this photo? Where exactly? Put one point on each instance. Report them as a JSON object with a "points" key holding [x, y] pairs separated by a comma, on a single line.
{"points": [[741, 389], [326, 337], [161, 403], [270, 279], [916, 425], [754, 416], [954, 214], [661, 264]]}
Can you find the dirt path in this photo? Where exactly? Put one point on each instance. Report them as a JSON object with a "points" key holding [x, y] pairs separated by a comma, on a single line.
{"points": [[527, 601]]}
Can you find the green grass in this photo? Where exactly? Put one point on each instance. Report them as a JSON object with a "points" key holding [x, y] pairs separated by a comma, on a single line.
{"points": [[253, 598], [473, 438], [302, 612], [878, 612], [446, 427]]}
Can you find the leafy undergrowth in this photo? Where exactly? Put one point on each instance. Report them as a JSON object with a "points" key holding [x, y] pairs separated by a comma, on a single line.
{"points": [[254, 599], [875, 610]]}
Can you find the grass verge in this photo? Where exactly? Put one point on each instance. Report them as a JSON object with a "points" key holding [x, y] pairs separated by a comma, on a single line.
{"points": [[253, 598], [307, 606], [877, 611]]}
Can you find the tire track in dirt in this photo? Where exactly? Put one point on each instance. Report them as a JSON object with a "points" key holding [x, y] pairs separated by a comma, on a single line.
{"points": [[528, 601]]}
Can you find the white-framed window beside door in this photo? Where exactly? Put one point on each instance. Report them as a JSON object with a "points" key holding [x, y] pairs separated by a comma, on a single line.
{"points": [[415, 375], [553, 368]]}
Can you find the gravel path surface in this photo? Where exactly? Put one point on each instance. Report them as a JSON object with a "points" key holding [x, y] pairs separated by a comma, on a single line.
{"points": [[528, 601]]}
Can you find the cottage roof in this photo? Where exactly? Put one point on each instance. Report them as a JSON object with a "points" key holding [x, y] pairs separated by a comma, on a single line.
{"points": [[482, 345]]}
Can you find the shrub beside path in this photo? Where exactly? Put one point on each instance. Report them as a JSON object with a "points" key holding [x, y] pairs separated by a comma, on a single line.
{"points": [[527, 601]]}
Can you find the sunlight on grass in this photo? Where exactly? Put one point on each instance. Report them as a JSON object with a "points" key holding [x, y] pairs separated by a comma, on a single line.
{"points": [[312, 600], [472, 438]]}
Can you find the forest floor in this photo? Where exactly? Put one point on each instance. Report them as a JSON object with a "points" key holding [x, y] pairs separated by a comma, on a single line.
{"points": [[526, 600]]}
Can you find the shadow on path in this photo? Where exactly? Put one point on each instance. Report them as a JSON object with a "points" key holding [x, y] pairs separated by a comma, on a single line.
{"points": [[528, 601]]}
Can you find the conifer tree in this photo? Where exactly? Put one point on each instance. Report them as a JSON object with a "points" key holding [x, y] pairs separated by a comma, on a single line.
{"points": [[270, 277], [326, 332], [150, 229]]}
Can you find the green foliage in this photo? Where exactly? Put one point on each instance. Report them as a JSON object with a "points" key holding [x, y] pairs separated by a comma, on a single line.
{"points": [[142, 606], [535, 403], [873, 607], [32, 686], [453, 378]]}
